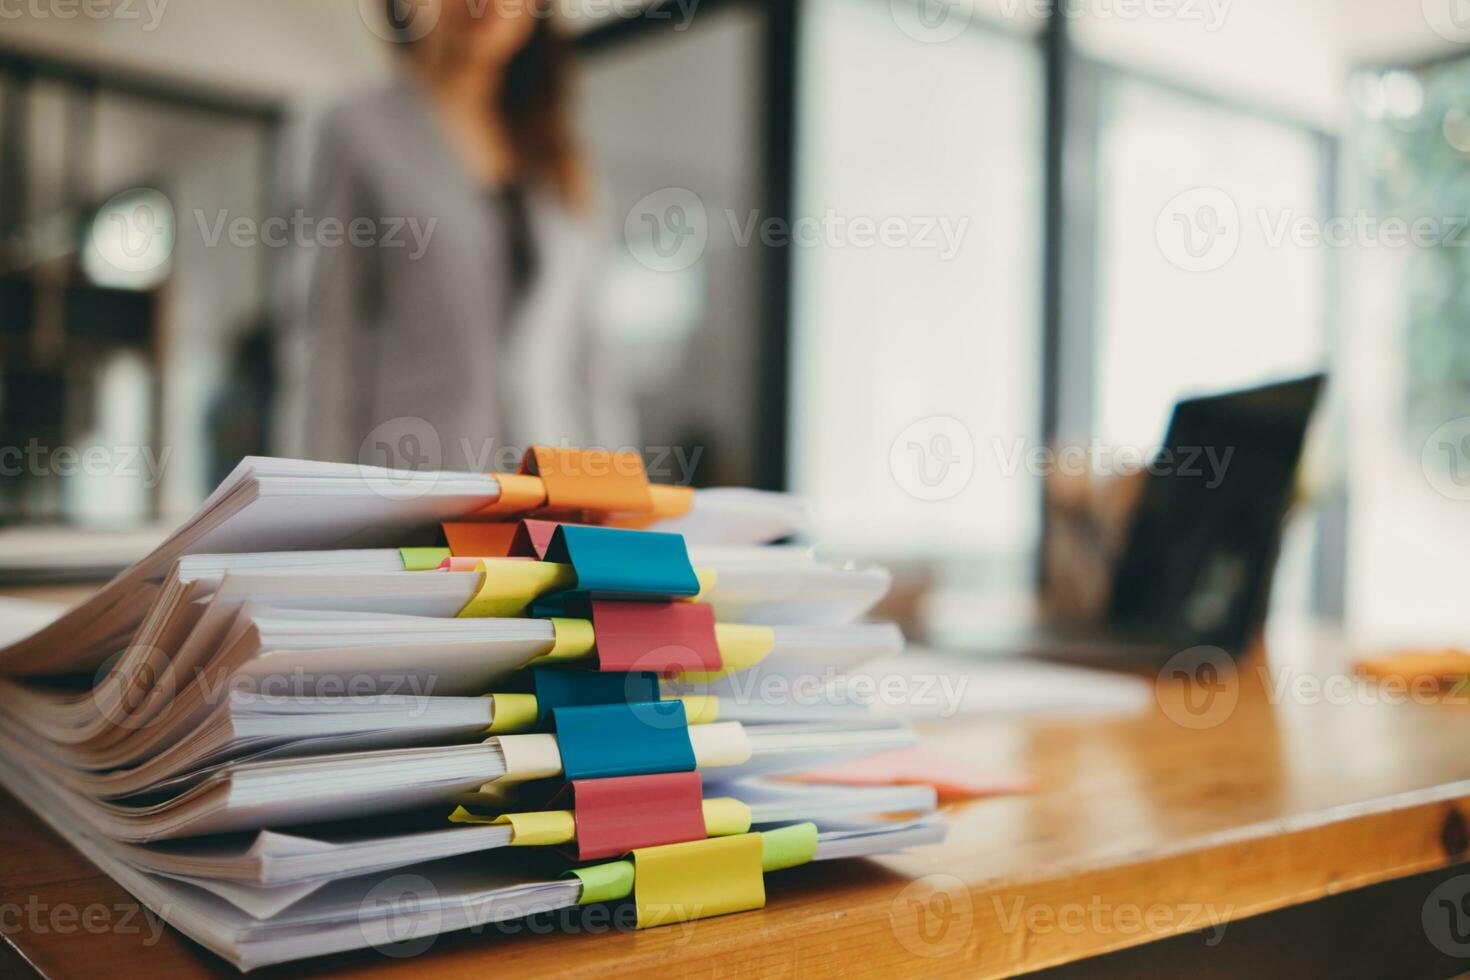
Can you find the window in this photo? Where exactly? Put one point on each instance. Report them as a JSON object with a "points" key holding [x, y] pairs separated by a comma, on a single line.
{"points": [[1204, 278], [1407, 355], [915, 359]]}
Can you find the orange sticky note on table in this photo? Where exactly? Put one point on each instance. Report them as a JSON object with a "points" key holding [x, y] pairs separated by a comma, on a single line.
{"points": [[1417, 666], [952, 779]]}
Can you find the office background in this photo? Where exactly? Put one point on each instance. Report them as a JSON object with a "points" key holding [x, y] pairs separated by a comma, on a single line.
{"points": [[1055, 148]]}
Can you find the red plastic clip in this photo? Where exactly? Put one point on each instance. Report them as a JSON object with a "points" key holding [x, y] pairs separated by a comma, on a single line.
{"points": [[532, 538], [664, 637], [616, 815]]}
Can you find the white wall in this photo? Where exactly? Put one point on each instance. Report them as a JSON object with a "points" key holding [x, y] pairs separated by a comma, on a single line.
{"points": [[1292, 55], [272, 48]]}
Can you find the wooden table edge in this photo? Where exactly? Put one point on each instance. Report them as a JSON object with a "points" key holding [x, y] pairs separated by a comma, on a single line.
{"points": [[1007, 927]]}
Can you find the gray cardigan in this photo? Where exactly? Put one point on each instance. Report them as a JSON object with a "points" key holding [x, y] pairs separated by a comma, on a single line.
{"points": [[415, 326]]}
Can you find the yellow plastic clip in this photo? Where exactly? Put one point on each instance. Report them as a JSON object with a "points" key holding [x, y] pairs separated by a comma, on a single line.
{"points": [[507, 585], [573, 639], [741, 648], [698, 879], [512, 713], [701, 709], [540, 829]]}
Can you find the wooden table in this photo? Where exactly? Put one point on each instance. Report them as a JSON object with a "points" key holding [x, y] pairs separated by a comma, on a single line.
{"points": [[1228, 799]]}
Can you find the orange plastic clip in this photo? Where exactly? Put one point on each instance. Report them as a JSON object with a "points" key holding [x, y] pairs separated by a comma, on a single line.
{"points": [[590, 479], [518, 493], [595, 486], [482, 540]]}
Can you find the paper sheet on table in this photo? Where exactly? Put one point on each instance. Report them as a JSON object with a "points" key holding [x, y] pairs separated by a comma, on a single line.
{"points": [[951, 778], [935, 687]]}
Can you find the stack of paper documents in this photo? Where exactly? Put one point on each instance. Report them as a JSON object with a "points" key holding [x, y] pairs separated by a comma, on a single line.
{"points": [[514, 692]]}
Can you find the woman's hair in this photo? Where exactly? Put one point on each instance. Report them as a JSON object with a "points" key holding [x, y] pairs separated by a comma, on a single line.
{"points": [[534, 100]]}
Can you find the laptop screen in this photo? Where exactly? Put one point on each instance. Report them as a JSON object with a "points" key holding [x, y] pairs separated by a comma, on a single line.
{"points": [[1196, 567]]}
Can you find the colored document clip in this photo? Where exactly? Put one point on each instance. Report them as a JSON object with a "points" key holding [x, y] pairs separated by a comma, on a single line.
{"points": [[613, 563], [518, 714], [507, 586], [608, 817], [598, 742], [559, 687], [664, 637], [511, 586], [601, 484], [603, 740], [614, 816], [533, 539], [698, 879], [528, 538], [603, 562], [479, 540], [682, 640], [422, 559], [555, 687], [590, 479], [518, 539]]}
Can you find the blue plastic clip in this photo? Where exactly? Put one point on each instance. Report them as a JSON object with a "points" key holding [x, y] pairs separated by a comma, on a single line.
{"points": [[616, 563], [603, 740], [565, 687]]}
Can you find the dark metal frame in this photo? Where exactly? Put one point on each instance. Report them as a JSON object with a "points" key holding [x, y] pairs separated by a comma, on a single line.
{"points": [[183, 93], [774, 350], [1057, 61]]}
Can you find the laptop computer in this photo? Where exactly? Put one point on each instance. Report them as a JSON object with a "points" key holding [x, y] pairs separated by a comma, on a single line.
{"points": [[1196, 564]]}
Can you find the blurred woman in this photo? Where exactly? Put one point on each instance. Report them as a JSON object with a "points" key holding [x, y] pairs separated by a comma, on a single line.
{"points": [[453, 323]]}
